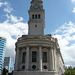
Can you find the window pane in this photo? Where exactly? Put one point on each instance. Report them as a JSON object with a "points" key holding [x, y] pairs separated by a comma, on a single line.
{"points": [[36, 16], [23, 57], [44, 56], [39, 16], [35, 25], [34, 56], [32, 16]]}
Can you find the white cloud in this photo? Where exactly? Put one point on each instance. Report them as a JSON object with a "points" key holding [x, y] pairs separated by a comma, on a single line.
{"points": [[15, 19], [3, 3], [8, 9], [73, 10], [73, 1], [11, 31], [66, 39]]}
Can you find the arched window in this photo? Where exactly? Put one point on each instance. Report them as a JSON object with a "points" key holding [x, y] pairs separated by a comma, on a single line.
{"points": [[36, 16], [32, 16], [39, 16]]}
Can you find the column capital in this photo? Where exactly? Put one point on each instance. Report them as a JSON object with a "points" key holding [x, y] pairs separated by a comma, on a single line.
{"points": [[27, 45], [51, 47], [40, 45], [17, 49]]}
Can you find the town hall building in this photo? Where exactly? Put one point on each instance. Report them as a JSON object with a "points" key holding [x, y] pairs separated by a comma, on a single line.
{"points": [[38, 53]]}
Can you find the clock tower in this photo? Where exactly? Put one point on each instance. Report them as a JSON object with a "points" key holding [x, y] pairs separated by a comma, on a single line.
{"points": [[36, 18], [36, 53]]}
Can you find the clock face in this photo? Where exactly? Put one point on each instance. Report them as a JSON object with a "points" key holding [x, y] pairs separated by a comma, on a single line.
{"points": [[36, 6]]}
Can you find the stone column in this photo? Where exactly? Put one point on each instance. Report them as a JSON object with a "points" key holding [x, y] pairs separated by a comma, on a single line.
{"points": [[40, 58], [52, 59], [27, 58], [17, 59], [49, 60], [55, 62]]}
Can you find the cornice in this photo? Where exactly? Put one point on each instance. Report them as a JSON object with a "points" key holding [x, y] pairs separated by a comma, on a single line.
{"points": [[31, 40], [34, 21], [35, 11]]}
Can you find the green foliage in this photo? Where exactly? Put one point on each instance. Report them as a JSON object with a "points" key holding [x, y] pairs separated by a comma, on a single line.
{"points": [[70, 71], [9, 73]]}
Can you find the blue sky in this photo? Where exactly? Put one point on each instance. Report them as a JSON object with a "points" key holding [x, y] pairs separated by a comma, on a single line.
{"points": [[59, 20], [56, 12]]}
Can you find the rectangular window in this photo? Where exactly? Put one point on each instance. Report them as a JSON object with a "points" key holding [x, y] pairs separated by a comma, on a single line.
{"points": [[34, 56], [32, 16], [44, 56], [23, 57], [39, 16], [36, 16]]}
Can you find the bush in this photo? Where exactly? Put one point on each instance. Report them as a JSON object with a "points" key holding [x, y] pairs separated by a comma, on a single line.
{"points": [[70, 71], [9, 73]]}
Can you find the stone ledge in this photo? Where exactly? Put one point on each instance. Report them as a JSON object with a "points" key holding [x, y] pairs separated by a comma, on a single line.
{"points": [[35, 73]]}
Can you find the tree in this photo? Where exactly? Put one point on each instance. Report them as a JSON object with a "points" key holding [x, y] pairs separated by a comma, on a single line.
{"points": [[4, 72], [70, 71]]}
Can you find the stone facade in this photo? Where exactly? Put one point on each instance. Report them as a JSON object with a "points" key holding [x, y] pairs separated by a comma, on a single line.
{"points": [[37, 53], [36, 18], [54, 64]]}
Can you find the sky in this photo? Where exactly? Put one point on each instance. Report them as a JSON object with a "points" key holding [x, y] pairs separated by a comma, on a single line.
{"points": [[59, 21]]}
